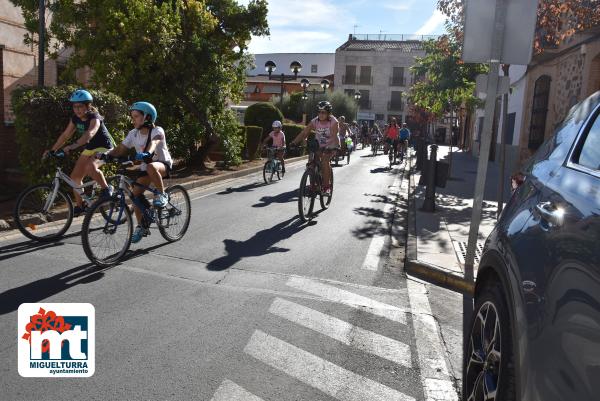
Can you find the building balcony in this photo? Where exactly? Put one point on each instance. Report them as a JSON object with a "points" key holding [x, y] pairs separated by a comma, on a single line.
{"points": [[398, 81], [357, 80], [365, 105], [395, 106]]}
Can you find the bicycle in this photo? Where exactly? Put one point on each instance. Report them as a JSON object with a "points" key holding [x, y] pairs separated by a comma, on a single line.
{"points": [[99, 232], [273, 165], [393, 151], [43, 212], [311, 185], [374, 146]]}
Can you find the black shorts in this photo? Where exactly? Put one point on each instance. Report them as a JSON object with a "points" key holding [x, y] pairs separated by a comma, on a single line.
{"points": [[167, 167]]}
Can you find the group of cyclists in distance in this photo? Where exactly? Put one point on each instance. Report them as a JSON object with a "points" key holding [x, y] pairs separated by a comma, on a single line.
{"points": [[151, 150]]}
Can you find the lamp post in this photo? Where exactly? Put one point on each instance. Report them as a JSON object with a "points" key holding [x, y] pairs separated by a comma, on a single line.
{"points": [[357, 96], [295, 67], [306, 83]]}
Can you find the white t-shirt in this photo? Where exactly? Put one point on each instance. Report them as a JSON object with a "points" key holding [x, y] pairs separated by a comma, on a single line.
{"points": [[135, 139]]}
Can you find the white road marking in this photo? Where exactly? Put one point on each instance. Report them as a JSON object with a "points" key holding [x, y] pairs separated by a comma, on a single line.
{"points": [[377, 247], [346, 333], [435, 378], [229, 391], [316, 372], [335, 294]]}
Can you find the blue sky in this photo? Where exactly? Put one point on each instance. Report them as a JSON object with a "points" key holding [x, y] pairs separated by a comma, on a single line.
{"points": [[323, 25]]}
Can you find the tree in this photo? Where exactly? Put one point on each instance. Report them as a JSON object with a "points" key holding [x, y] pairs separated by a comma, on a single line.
{"points": [[188, 57], [556, 20], [294, 107]]}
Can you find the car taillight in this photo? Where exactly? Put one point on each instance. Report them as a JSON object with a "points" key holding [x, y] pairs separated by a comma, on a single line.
{"points": [[516, 181]]}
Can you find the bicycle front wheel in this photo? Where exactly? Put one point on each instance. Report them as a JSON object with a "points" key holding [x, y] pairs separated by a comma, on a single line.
{"points": [[306, 197], [268, 173], [174, 219], [326, 199], [42, 216], [106, 232]]}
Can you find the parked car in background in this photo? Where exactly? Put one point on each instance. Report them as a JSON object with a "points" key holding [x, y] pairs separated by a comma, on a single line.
{"points": [[535, 332]]}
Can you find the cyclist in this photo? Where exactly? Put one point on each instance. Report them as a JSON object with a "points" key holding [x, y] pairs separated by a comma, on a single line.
{"points": [[326, 128], [375, 136], [391, 137], [151, 149], [277, 136], [364, 130], [94, 135], [404, 138]]}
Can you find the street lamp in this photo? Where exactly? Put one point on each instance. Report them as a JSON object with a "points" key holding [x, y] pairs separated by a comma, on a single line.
{"points": [[295, 67], [357, 96], [306, 83]]}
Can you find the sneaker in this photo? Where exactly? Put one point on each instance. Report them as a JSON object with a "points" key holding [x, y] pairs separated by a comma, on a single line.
{"points": [[139, 233], [79, 210], [327, 191], [106, 192], [161, 200]]}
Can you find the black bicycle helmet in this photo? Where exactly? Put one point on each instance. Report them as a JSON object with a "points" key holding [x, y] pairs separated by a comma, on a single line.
{"points": [[324, 105]]}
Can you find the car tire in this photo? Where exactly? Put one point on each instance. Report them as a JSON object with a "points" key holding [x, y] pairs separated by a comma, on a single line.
{"points": [[488, 363]]}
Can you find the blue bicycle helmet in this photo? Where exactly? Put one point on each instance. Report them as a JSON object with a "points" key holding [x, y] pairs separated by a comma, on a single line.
{"points": [[146, 108], [81, 96]]}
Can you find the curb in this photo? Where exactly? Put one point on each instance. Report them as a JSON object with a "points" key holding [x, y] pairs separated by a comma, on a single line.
{"points": [[188, 185], [426, 271]]}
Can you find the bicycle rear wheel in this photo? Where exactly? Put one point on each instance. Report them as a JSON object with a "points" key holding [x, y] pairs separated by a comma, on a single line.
{"points": [[106, 232], [41, 218], [326, 199], [174, 219], [306, 197]]}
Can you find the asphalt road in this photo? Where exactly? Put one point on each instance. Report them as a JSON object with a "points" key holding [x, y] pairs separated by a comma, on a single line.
{"points": [[250, 304]]}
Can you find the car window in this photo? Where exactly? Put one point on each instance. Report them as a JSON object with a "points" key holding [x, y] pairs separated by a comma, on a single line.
{"points": [[589, 155]]}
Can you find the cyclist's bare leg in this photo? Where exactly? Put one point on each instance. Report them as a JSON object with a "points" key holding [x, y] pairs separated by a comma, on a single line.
{"points": [[156, 171], [326, 168], [93, 170], [77, 175], [137, 191], [280, 157]]}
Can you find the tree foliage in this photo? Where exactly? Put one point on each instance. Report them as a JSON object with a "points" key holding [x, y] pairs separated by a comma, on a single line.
{"points": [[185, 56], [445, 80], [294, 107], [556, 19]]}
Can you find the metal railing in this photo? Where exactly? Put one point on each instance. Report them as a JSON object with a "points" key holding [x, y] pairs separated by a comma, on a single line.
{"points": [[357, 80], [398, 81], [394, 37], [395, 106]]}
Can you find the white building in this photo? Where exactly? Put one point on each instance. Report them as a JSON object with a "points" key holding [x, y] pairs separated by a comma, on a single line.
{"points": [[313, 64], [378, 67]]}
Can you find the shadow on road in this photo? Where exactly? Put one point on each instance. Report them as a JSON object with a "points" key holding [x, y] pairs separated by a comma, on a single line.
{"points": [[262, 243], [379, 219], [243, 188], [46, 287], [25, 247], [285, 197]]}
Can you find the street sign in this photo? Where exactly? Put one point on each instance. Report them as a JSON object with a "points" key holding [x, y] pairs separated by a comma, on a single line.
{"points": [[517, 40], [365, 115], [481, 85]]}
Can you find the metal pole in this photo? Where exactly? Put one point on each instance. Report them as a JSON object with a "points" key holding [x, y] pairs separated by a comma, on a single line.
{"points": [[501, 182], [486, 139], [429, 202], [42, 39]]}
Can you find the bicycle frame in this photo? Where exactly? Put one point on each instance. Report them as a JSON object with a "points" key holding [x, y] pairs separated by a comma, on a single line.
{"points": [[61, 176]]}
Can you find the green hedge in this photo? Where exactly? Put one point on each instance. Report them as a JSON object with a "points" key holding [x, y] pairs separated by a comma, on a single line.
{"points": [[42, 114], [262, 115], [291, 132], [253, 140]]}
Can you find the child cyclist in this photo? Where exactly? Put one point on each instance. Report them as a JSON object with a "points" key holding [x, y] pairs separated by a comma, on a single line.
{"points": [[151, 149], [277, 136], [93, 134]]}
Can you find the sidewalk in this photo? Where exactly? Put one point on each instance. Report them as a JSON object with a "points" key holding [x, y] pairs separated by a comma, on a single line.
{"points": [[439, 239]]}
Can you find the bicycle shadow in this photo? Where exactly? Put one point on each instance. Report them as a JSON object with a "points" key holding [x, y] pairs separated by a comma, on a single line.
{"points": [[243, 188], [22, 248], [284, 197], [262, 243], [44, 288]]}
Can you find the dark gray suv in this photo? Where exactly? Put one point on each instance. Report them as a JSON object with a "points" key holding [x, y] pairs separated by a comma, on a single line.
{"points": [[535, 333]]}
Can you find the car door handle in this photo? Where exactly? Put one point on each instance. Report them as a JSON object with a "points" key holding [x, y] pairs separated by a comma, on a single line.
{"points": [[551, 213]]}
